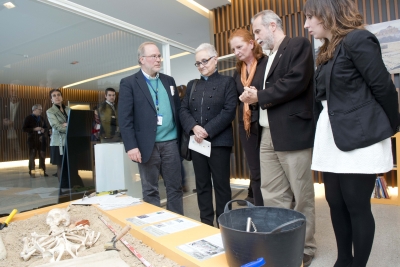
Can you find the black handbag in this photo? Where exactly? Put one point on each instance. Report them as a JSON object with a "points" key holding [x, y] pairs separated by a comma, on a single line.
{"points": [[185, 151]]}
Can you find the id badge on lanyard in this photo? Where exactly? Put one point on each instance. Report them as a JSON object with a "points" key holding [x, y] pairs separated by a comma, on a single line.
{"points": [[159, 116]]}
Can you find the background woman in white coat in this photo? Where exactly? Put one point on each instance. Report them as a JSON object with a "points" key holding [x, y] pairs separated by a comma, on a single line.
{"points": [[58, 117]]}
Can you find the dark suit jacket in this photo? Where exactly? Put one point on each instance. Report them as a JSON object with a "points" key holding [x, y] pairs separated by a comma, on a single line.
{"points": [[31, 122], [137, 116], [362, 99], [212, 106], [108, 123], [288, 95]]}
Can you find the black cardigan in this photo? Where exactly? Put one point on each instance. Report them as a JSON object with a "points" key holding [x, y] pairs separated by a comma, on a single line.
{"points": [[212, 106]]}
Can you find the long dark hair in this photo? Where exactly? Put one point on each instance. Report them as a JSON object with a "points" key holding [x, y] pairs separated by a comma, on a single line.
{"points": [[338, 16]]}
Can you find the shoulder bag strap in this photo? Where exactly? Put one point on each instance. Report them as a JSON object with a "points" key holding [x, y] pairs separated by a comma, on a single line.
{"points": [[191, 90]]}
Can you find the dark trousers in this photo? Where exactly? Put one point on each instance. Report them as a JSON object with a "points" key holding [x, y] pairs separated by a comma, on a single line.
{"points": [[349, 199], [32, 155], [216, 166], [165, 156], [251, 149]]}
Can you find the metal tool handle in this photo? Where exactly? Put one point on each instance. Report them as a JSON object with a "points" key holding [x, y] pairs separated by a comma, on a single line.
{"points": [[248, 224], [123, 232]]}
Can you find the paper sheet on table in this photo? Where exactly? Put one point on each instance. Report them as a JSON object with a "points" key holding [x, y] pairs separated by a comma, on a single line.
{"points": [[204, 248], [203, 148], [107, 200]]}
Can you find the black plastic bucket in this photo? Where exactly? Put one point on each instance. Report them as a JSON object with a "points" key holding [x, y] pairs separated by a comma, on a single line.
{"points": [[279, 238]]}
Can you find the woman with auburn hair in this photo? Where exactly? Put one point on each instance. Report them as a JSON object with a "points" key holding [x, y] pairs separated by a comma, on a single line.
{"points": [[250, 70], [357, 113]]}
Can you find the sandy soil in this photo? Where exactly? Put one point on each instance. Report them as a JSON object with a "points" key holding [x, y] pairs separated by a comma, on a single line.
{"points": [[13, 234]]}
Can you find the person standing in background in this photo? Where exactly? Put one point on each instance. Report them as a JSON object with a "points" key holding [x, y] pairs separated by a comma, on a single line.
{"points": [[12, 122], [286, 119], [108, 114], [37, 129], [357, 112], [96, 126], [58, 118]]}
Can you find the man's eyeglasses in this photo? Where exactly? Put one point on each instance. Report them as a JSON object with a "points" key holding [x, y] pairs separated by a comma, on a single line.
{"points": [[203, 62], [154, 57]]}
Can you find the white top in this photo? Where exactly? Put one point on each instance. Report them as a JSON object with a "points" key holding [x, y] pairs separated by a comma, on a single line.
{"points": [[376, 158], [263, 112]]}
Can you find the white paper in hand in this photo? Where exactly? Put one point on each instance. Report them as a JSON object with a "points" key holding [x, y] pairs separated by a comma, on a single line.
{"points": [[203, 148]]}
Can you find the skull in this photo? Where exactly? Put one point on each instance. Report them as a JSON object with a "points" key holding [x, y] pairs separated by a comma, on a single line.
{"points": [[57, 218]]}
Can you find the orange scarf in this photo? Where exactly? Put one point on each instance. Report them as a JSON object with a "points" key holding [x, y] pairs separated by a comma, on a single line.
{"points": [[246, 81]]}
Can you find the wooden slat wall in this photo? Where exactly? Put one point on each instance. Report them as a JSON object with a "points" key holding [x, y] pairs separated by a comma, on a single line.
{"points": [[27, 96], [238, 15]]}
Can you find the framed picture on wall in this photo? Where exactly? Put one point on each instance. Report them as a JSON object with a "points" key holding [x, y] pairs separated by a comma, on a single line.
{"points": [[388, 34]]}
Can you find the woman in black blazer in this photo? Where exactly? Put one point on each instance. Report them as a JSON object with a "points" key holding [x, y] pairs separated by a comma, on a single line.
{"points": [[207, 113], [357, 113], [250, 70]]}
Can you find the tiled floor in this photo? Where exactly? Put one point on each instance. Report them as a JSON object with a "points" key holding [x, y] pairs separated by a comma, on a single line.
{"points": [[18, 190]]}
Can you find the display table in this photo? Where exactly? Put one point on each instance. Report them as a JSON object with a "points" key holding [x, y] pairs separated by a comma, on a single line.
{"points": [[114, 170], [166, 245]]}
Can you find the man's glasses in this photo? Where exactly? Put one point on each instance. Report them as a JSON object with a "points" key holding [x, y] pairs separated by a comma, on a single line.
{"points": [[154, 57], [203, 62]]}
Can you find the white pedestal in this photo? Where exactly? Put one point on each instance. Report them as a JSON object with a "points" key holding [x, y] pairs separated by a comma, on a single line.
{"points": [[114, 170]]}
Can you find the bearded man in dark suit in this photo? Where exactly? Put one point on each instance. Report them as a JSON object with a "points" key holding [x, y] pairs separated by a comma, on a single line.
{"points": [[287, 132]]}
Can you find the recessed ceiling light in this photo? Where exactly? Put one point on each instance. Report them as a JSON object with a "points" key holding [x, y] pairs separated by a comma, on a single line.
{"points": [[74, 62], [9, 5]]}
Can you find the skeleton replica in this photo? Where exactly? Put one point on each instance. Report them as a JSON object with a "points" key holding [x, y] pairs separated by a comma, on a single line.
{"points": [[63, 237]]}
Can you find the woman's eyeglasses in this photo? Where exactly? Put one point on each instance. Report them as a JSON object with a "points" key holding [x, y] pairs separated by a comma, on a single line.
{"points": [[203, 62]]}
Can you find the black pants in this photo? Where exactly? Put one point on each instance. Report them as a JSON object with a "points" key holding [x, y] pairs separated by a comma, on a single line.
{"points": [[349, 199], [217, 166], [251, 148], [32, 155]]}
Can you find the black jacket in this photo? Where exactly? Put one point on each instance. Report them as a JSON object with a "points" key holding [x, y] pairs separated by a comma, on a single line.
{"points": [[108, 119], [362, 99], [31, 122], [212, 106], [288, 96], [257, 82]]}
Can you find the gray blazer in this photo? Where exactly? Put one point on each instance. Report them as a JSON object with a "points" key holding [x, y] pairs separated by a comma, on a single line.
{"points": [[56, 120], [212, 106]]}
